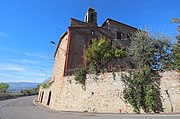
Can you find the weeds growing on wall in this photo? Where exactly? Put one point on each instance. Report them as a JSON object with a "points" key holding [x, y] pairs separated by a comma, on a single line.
{"points": [[114, 75], [45, 85], [80, 76]]}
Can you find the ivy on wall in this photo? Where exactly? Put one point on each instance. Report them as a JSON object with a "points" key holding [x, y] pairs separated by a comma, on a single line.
{"points": [[80, 76]]}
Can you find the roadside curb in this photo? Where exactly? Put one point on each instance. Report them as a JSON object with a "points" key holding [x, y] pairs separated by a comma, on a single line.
{"points": [[41, 106]]}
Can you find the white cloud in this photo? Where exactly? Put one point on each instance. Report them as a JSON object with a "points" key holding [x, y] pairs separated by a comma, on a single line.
{"points": [[11, 67], [22, 74], [36, 55], [24, 61], [20, 78], [26, 70]]}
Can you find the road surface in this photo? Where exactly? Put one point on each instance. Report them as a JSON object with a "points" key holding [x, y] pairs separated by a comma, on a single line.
{"points": [[24, 108]]}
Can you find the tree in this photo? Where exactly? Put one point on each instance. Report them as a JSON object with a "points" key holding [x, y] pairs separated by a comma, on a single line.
{"points": [[176, 53], [142, 86], [149, 50], [100, 53], [3, 87], [142, 90]]}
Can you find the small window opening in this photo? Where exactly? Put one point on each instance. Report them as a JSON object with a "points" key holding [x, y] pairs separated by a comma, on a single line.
{"points": [[92, 32], [86, 19], [92, 17], [49, 98], [42, 96], [119, 35]]}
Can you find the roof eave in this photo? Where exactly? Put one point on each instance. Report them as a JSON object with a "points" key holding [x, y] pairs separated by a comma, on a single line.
{"points": [[60, 39]]}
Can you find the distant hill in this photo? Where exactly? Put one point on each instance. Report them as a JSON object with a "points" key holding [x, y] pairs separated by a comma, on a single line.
{"points": [[18, 86]]}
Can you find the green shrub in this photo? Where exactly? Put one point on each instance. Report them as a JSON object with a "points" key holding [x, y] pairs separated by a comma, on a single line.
{"points": [[142, 90], [80, 76]]}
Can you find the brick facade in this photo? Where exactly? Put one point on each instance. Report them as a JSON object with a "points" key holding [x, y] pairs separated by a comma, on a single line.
{"points": [[80, 34]]}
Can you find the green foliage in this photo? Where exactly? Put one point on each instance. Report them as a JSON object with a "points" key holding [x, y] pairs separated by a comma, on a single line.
{"points": [[149, 50], [10, 95], [142, 86], [142, 90], [3, 87], [114, 75], [176, 53], [80, 76], [176, 48], [30, 91], [45, 85], [100, 53]]}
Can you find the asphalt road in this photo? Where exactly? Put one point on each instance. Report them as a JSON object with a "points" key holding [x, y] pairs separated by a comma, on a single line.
{"points": [[24, 108]]}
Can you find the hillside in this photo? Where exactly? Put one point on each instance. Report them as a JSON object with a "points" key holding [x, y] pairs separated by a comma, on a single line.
{"points": [[18, 86]]}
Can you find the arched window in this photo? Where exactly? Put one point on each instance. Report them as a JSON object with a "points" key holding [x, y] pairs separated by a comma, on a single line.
{"points": [[42, 96], [86, 19], [49, 98], [92, 17]]}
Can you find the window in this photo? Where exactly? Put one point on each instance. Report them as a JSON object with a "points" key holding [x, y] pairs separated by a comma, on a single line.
{"points": [[92, 32], [86, 19], [90, 42], [118, 35], [92, 17]]}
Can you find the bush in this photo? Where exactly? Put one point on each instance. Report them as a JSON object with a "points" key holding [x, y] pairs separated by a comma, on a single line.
{"points": [[3, 87], [142, 90], [33, 91], [80, 76]]}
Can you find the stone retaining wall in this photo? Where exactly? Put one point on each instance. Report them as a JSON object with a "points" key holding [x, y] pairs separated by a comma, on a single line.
{"points": [[105, 94]]}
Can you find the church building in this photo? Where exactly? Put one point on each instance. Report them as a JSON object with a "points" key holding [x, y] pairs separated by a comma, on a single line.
{"points": [[104, 92], [72, 45]]}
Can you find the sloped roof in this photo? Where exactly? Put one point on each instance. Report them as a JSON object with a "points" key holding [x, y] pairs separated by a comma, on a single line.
{"points": [[108, 19]]}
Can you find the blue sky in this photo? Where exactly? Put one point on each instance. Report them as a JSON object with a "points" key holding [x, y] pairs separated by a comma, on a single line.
{"points": [[27, 26]]}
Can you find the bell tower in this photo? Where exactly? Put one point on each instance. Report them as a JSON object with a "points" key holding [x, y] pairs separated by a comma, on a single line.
{"points": [[91, 16]]}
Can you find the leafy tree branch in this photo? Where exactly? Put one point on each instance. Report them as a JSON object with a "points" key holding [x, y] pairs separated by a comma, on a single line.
{"points": [[101, 52]]}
